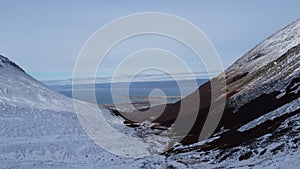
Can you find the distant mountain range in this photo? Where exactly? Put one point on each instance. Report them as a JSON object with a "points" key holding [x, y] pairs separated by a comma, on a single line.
{"points": [[139, 78]]}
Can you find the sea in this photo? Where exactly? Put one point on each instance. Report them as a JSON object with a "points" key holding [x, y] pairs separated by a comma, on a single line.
{"points": [[135, 92]]}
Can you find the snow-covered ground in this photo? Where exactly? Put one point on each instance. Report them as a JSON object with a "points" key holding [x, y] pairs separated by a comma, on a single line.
{"points": [[40, 129]]}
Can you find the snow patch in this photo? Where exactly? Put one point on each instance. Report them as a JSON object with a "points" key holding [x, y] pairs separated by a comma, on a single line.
{"points": [[287, 108]]}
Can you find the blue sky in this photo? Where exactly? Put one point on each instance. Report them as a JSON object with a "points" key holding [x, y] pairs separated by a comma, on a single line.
{"points": [[45, 37]]}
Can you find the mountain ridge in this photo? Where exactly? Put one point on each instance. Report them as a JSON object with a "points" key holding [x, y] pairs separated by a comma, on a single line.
{"points": [[5, 61]]}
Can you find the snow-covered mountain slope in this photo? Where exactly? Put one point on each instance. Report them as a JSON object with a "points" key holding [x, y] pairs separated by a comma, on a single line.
{"points": [[274, 61], [268, 50], [40, 129], [20, 90]]}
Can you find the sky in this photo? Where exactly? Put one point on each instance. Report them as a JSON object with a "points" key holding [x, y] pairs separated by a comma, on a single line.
{"points": [[45, 37]]}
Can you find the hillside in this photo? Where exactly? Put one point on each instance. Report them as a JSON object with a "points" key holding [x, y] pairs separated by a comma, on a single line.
{"points": [[260, 125], [39, 128]]}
